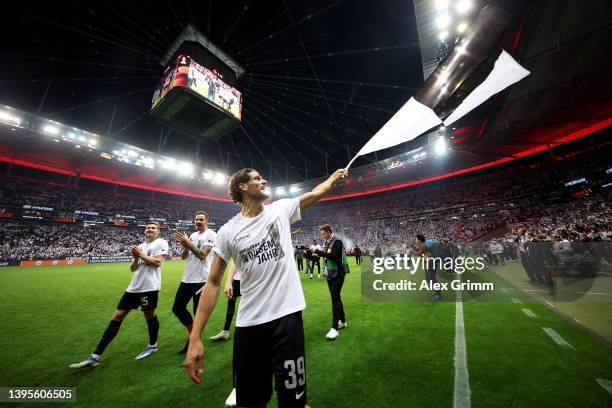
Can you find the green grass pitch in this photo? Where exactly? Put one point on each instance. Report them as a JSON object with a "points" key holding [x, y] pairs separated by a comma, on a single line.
{"points": [[391, 355]]}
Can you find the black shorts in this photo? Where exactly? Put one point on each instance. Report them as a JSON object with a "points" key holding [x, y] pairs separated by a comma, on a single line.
{"points": [[271, 349], [143, 300], [236, 288], [188, 290]]}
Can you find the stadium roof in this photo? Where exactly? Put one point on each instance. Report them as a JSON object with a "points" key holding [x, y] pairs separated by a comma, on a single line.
{"points": [[321, 78]]}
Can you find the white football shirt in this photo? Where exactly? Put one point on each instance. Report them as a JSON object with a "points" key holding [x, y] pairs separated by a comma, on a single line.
{"points": [[263, 253], [147, 278], [197, 269]]}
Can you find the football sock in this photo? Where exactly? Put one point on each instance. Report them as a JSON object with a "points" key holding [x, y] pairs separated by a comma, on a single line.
{"points": [[108, 336], [153, 325]]}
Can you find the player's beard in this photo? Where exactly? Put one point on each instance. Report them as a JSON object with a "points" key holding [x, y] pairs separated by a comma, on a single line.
{"points": [[260, 195]]}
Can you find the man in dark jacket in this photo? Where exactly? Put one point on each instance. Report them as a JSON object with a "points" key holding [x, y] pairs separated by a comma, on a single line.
{"points": [[332, 252], [357, 253]]}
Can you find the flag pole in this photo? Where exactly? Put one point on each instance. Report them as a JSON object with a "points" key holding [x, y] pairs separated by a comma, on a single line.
{"points": [[351, 162]]}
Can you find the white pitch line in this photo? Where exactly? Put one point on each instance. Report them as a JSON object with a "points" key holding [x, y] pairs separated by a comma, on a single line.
{"points": [[529, 313], [607, 384], [515, 300], [524, 290], [557, 337], [461, 397]]}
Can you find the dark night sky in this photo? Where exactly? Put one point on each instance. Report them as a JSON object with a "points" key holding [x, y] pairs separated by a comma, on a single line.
{"points": [[99, 52]]}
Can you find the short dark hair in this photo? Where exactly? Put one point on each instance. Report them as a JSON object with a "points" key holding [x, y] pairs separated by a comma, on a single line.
{"points": [[421, 237], [239, 177], [201, 213], [325, 227]]}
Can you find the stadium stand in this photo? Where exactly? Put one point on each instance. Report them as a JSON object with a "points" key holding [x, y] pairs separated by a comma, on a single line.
{"points": [[462, 211]]}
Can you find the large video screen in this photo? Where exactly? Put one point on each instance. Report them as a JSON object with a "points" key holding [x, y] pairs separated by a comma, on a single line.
{"points": [[187, 73]]}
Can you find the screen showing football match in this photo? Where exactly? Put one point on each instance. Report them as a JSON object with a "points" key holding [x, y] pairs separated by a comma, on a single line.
{"points": [[205, 82]]}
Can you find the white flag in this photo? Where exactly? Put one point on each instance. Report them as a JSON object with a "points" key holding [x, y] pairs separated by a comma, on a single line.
{"points": [[505, 73], [410, 121], [415, 118]]}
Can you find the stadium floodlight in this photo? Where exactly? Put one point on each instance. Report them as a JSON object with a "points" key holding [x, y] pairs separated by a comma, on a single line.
{"points": [[93, 142], [82, 139], [7, 117], [443, 21], [185, 169], [132, 153], [443, 35], [462, 27], [294, 189], [219, 178], [280, 191], [440, 146], [51, 130], [442, 4], [463, 6], [207, 175], [167, 164], [148, 162]]}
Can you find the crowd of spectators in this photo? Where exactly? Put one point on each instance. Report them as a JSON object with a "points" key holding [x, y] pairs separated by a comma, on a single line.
{"points": [[459, 210]]}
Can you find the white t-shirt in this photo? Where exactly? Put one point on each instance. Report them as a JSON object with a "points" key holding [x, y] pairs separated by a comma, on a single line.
{"points": [[263, 253], [197, 269], [147, 278]]}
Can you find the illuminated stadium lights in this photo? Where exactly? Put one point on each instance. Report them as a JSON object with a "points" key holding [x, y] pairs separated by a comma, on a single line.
{"points": [[9, 118], [463, 6], [148, 162], [93, 143], [294, 189], [280, 191], [51, 130], [443, 21], [219, 179], [132, 153], [440, 146], [462, 27], [167, 164], [442, 4], [185, 169], [207, 175], [443, 35]]}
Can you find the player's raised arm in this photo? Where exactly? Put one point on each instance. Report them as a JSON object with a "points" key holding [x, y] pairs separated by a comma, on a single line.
{"points": [[208, 299], [317, 193]]}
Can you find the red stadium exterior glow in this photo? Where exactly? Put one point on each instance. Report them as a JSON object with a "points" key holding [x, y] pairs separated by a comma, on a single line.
{"points": [[574, 135]]}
